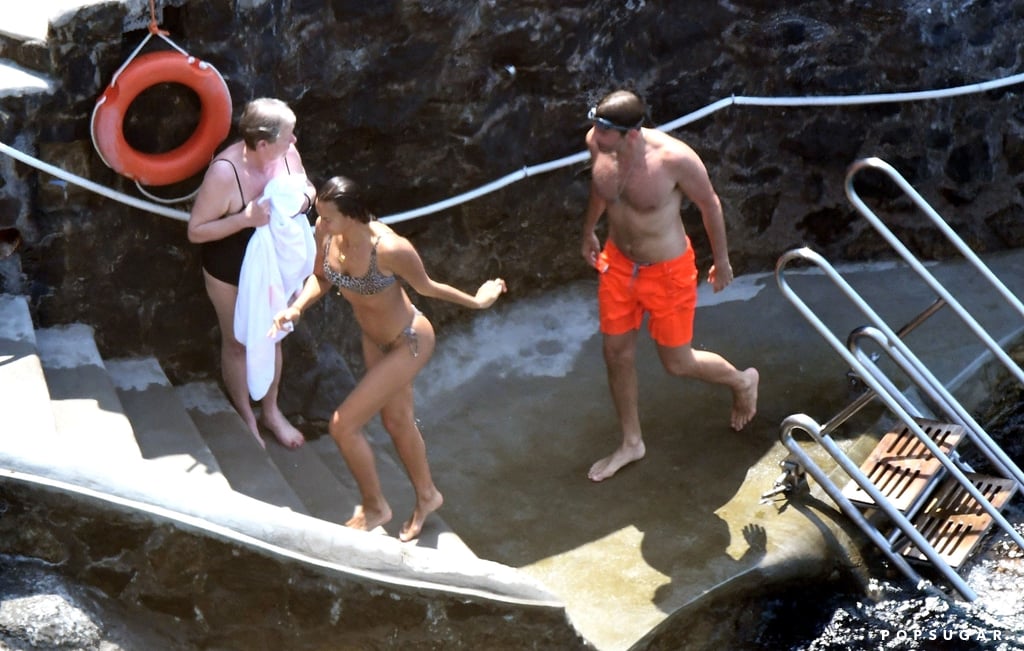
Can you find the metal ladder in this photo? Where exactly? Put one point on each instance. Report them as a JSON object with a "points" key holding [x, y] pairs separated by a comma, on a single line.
{"points": [[918, 429]]}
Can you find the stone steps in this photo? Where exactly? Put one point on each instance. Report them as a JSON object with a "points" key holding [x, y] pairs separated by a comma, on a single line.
{"points": [[246, 466], [322, 493], [436, 533], [86, 408], [24, 396], [163, 429], [61, 399]]}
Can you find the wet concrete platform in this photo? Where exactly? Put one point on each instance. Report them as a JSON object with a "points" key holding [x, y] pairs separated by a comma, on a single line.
{"points": [[510, 449], [515, 408]]}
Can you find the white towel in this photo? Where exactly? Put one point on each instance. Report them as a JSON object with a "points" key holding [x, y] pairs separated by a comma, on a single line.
{"points": [[277, 261]]}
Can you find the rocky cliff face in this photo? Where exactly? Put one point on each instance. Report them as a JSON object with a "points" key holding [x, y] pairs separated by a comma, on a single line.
{"points": [[423, 100]]}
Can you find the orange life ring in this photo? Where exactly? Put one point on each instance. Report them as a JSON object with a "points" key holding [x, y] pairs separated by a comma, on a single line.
{"points": [[183, 161]]}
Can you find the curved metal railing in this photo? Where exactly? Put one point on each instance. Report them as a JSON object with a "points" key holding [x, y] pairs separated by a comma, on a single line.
{"points": [[915, 264], [897, 403], [873, 377], [812, 428]]}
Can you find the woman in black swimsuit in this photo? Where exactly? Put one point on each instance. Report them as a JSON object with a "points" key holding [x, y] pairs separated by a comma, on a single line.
{"points": [[363, 258], [223, 219]]}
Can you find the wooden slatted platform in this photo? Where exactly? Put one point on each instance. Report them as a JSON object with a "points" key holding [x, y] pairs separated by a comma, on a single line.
{"points": [[954, 522], [901, 467]]}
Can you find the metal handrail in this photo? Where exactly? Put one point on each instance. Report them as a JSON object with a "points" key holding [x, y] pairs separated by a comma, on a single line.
{"points": [[934, 389], [868, 396], [915, 264], [872, 376], [811, 427], [881, 387], [991, 449]]}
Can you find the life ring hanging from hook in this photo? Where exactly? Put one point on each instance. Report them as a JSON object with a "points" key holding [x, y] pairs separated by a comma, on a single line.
{"points": [[140, 73]]}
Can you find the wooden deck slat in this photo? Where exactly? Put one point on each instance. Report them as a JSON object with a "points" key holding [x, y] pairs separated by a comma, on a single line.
{"points": [[901, 467], [954, 523]]}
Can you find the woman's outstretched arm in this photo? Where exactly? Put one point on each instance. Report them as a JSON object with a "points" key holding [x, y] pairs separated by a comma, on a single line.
{"points": [[399, 257]]}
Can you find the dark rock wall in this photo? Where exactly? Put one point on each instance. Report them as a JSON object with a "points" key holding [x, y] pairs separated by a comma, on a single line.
{"points": [[423, 100]]}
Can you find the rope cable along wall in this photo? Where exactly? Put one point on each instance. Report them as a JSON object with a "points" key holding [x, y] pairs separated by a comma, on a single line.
{"points": [[542, 168], [139, 73], [788, 102]]}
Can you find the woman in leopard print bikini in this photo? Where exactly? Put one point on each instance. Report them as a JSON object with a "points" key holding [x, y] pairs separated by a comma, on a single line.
{"points": [[363, 258]]}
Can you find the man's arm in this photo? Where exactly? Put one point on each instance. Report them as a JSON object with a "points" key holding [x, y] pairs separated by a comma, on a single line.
{"points": [[590, 245], [694, 181], [314, 287]]}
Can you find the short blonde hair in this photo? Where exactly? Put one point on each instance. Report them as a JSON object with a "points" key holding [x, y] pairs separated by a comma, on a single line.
{"points": [[262, 119]]}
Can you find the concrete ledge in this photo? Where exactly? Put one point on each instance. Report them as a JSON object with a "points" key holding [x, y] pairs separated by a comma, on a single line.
{"points": [[85, 405], [228, 515]]}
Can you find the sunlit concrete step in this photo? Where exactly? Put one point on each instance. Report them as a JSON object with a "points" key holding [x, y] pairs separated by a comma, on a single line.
{"points": [[163, 429], [398, 491], [86, 408], [25, 407], [242, 461], [311, 479]]}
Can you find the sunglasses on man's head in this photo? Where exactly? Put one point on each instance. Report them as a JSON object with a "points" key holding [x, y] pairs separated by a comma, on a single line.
{"points": [[605, 123]]}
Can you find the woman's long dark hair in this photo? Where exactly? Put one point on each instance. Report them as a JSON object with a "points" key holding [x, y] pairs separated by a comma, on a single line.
{"points": [[346, 195]]}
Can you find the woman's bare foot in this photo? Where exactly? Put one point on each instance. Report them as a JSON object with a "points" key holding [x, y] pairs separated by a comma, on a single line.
{"points": [[624, 455], [365, 519], [744, 399], [254, 429], [414, 525], [285, 433]]}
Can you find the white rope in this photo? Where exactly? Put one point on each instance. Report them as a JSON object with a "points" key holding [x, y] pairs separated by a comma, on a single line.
{"points": [[828, 100], [95, 187], [542, 168]]}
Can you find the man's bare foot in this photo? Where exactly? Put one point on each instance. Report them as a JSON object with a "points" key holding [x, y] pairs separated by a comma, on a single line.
{"points": [[624, 455], [414, 525], [369, 519], [744, 400], [283, 431]]}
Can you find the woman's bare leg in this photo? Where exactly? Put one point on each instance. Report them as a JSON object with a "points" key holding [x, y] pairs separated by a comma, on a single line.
{"points": [[386, 376], [271, 416], [232, 353], [373, 510], [400, 422]]}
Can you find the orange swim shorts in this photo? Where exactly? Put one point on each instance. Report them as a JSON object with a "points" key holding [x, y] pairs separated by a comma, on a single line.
{"points": [[666, 291]]}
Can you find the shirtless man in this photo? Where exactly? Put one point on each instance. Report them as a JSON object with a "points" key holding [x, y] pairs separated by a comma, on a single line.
{"points": [[639, 179]]}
